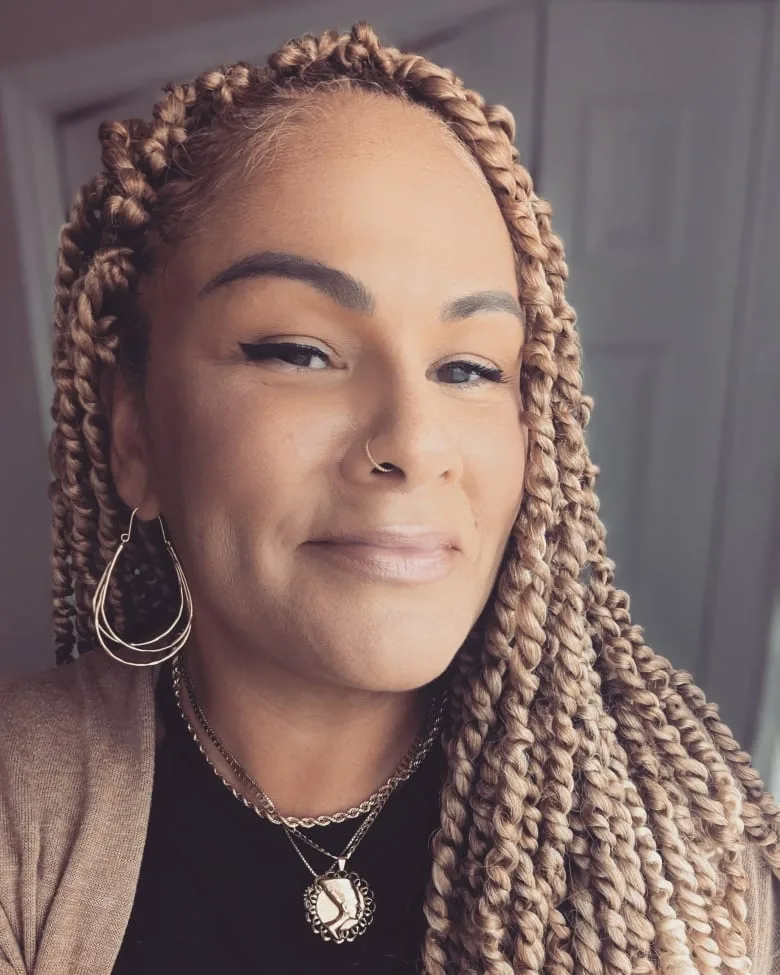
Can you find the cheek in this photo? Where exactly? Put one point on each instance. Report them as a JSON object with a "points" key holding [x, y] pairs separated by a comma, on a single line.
{"points": [[497, 472], [195, 433], [227, 441], [498, 462]]}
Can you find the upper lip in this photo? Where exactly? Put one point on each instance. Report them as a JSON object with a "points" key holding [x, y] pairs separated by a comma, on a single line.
{"points": [[416, 537]]}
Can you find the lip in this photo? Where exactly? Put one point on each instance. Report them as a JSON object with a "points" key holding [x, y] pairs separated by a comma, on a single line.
{"points": [[417, 538], [394, 554]]}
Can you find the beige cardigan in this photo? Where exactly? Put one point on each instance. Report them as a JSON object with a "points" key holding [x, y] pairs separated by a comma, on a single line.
{"points": [[76, 770]]}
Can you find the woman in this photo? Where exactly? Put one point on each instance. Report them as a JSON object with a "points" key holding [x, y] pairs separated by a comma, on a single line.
{"points": [[319, 460]]}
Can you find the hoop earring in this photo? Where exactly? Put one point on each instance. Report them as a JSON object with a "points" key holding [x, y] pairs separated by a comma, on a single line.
{"points": [[384, 468], [105, 632]]}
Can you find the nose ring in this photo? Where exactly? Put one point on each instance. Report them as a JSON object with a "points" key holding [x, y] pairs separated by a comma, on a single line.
{"points": [[384, 468]]}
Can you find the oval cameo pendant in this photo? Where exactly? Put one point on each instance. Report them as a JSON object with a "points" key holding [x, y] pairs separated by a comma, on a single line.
{"points": [[339, 906]]}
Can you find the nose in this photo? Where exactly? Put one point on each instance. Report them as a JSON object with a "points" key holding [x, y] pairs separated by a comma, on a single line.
{"points": [[407, 426]]}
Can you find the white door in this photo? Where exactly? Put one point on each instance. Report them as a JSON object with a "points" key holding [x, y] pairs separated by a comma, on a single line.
{"points": [[648, 129]]}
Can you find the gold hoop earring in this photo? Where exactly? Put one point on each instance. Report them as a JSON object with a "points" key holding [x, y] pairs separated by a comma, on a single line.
{"points": [[105, 632], [385, 469]]}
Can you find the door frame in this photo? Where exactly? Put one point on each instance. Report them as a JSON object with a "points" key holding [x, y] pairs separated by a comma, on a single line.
{"points": [[33, 97], [736, 632]]}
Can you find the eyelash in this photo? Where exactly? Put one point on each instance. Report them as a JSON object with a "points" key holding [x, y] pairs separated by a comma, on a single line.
{"points": [[263, 351]]}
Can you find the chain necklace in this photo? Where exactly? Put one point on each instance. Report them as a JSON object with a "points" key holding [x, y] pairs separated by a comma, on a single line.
{"points": [[339, 904]]}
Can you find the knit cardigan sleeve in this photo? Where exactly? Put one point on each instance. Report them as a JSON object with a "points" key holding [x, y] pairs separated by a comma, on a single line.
{"points": [[763, 918], [76, 773]]}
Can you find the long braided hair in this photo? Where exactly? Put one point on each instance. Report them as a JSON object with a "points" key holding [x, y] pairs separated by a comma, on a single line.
{"points": [[596, 809]]}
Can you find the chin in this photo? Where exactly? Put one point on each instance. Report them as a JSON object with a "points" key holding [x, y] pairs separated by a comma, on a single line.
{"points": [[388, 670]]}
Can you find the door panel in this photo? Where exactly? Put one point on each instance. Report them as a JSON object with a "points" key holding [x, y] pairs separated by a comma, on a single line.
{"points": [[647, 133]]}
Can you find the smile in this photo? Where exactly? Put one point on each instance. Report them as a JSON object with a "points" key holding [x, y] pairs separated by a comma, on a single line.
{"points": [[387, 564]]}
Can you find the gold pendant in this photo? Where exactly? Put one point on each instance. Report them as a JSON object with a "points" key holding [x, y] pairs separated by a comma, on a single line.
{"points": [[339, 906]]}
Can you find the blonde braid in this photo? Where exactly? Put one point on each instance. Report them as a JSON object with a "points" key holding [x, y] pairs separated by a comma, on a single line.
{"points": [[721, 820], [566, 618], [91, 274], [623, 885], [79, 447], [638, 738], [760, 813], [575, 409], [687, 781]]}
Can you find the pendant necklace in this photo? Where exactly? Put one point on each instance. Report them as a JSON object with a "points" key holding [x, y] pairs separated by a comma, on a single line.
{"points": [[339, 904]]}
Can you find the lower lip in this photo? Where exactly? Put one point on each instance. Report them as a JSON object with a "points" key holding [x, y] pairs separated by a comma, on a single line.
{"points": [[389, 564]]}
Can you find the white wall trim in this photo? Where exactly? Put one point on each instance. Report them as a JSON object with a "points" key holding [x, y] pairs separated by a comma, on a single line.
{"points": [[34, 96], [31, 151]]}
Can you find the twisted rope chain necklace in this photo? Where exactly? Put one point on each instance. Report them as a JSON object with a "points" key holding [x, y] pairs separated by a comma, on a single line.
{"points": [[339, 904]]}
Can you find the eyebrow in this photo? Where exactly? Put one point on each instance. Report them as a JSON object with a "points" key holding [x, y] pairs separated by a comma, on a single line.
{"points": [[346, 290]]}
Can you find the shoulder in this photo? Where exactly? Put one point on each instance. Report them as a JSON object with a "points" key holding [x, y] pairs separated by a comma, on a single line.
{"points": [[50, 720], [76, 758], [763, 911]]}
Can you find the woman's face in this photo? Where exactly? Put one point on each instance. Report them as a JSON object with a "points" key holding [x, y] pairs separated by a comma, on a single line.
{"points": [[268, 375]]}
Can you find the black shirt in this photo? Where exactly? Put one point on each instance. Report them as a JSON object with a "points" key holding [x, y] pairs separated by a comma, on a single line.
{"points": [[222, 890]]}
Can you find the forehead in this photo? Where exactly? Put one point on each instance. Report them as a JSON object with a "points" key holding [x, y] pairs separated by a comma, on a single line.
{"points": [[370, 185]]}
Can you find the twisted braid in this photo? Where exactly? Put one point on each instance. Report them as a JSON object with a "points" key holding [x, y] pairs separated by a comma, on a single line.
{"points": [[596, 809]]}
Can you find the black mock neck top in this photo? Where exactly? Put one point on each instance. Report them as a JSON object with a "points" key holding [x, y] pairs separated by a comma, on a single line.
{"points": [[222, 890]]}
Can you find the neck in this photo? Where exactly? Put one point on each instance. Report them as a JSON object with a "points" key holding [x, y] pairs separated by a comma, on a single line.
{"points": [[314, 749]]}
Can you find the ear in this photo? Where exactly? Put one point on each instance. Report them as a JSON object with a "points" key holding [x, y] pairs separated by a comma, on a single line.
{"points": [[129, 453]]}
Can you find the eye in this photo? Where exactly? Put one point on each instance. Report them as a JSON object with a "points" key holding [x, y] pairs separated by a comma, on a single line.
{"points": [[460, 371], [294, 354]]}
